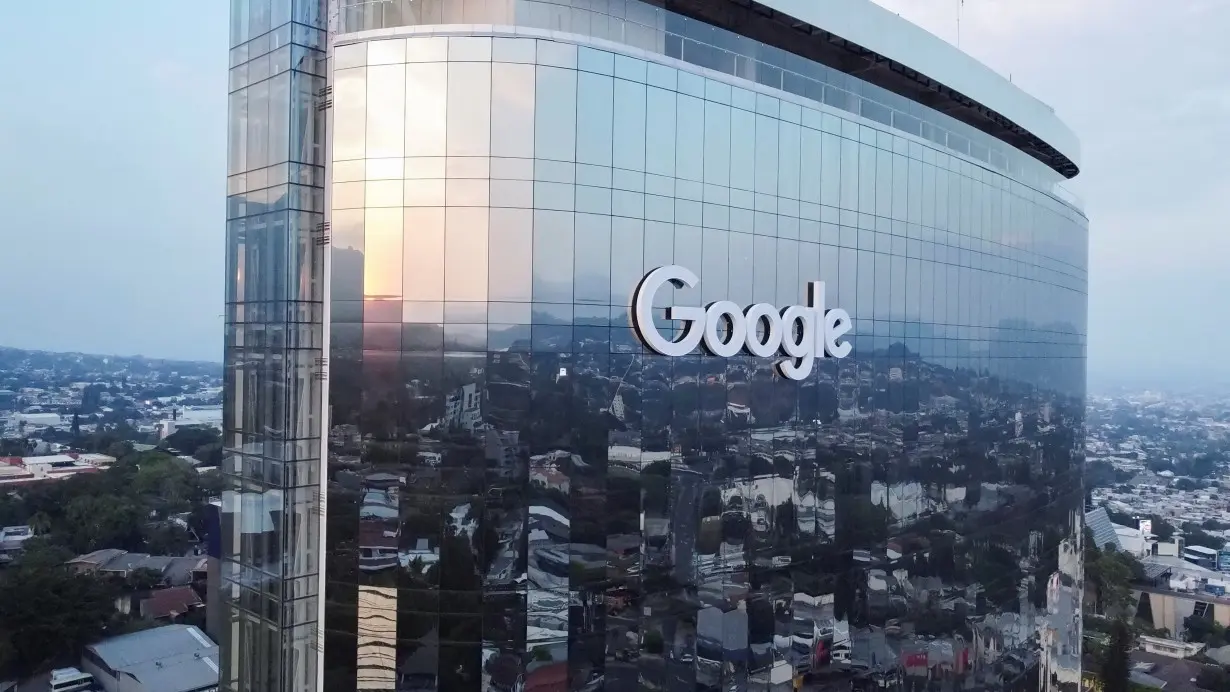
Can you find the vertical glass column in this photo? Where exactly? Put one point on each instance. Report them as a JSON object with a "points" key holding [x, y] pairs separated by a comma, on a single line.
{"points": [[274, 362]]}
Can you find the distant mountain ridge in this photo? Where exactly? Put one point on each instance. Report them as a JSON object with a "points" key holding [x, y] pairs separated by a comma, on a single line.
{"points": [[20, 358]]}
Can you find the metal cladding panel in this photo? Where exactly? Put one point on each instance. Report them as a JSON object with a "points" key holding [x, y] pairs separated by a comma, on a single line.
{"points": [[876, 29]]}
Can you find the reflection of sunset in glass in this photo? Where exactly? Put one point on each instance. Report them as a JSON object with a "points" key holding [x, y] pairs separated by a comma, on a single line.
{"points": [[465, 253], [382, 263], [424, 255]]}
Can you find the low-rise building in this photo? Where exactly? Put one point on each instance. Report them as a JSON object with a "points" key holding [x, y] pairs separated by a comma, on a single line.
{"points": [[97, 460], [171, 658], [170, 604], [1174, 648], [175, 570], [12, 538]]}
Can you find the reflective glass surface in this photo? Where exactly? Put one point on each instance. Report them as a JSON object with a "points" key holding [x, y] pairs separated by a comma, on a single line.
{"points": [[523, 497], [649, 27], [274, 355]]}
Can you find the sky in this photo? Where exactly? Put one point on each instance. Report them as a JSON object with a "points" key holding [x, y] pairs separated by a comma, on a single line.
{"points": [[112, 170]]}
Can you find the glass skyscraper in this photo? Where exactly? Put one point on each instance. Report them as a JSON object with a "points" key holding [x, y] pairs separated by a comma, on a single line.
{"points": [[459, 456], [275, 361]]}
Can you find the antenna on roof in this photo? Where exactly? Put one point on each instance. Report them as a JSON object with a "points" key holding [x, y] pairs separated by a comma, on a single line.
{"points": [[960, 6]]}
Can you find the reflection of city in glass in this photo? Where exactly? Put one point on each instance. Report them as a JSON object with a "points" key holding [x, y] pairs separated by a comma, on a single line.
{"points": [[521, 497]]}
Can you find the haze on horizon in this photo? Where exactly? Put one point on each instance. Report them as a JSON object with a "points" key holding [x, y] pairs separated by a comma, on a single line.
{"points": [[113, 157]]}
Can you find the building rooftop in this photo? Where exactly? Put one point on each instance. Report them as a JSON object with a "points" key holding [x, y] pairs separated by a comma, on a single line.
{"points": [[1103, 530], [1175, 674], [174, 570], [172, 658], [170, 602]]}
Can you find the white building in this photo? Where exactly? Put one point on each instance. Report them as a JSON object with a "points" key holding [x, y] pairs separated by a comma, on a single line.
{"points": [[35, 420], [463, 408]]}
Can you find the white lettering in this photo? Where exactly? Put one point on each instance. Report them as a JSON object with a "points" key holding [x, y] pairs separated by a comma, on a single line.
{"points": [[800, 333]]}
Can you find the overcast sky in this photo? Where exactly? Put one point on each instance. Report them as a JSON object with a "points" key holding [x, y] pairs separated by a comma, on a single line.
{"points": [[112, 164]]}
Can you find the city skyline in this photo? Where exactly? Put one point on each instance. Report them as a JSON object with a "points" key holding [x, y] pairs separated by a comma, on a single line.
{"points": [[610, 345], [159, 86]]}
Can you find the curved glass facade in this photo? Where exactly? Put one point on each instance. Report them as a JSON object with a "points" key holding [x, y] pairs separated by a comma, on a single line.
{"points": [[522, 497], [642, 26]]}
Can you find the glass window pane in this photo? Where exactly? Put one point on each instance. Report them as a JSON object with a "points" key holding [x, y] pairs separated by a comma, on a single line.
{"points": [[594, 118], [593, 258], [389, 52], [386, 99], [431, 49], [849, 174], [511, 245], [279, 118], [553, 253], [900, 187], [349, 113], [512, 100], [866, 179], [465, 256], [382, 253], [788, 160], [469, 109], [766, 154], [741, 257], [426, 109], [660, 135], [811, 171], [742, 149], [555, 115], [627, 258], [423, 263], [690, 138], [717, 144], [382, 193], [629, 125], [346, 246]]}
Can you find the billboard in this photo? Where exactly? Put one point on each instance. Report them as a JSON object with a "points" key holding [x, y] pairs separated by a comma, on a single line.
{"points": [[1223, 561], [1146, 527]]}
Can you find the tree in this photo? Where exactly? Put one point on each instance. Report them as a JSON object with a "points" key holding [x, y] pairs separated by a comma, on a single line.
{"points": [[1194, 536], [167, 538], [654, 642], [48, 611], [1112, 573], [190, 439], [143, 579], [209, 455], [100, 521], [169, 484], [1117, 666], [1204, 630], [1186, 484], [1214, 678], [118, 449], [1162, 529]]}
